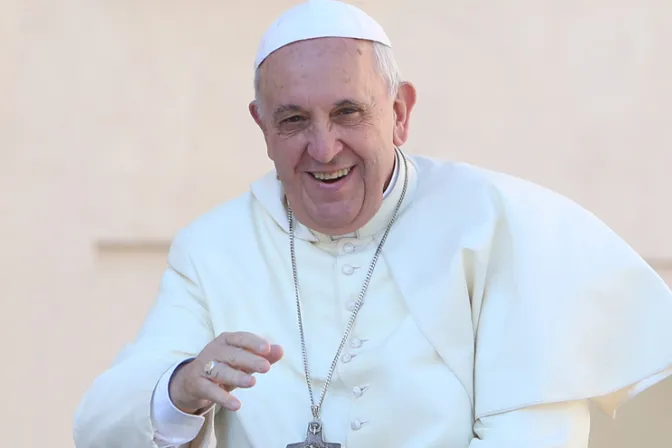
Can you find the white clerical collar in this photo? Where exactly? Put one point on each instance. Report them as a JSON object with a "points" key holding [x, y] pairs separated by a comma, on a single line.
{"points": [[395, 175], [269, 192]]}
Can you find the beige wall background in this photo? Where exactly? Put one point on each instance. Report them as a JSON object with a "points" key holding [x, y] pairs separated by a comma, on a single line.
{"points": [[121, 121]]}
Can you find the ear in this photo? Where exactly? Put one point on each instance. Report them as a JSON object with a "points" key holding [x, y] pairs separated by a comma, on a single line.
{"points": [[256, 113], [403, 106]]}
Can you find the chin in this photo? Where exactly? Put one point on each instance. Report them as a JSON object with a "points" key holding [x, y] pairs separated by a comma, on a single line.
{"points": [[335, 227], [337, 218], [340, 225]]}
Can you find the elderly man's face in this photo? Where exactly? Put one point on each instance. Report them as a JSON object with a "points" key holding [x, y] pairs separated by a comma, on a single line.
{"points": [[330, 127]]}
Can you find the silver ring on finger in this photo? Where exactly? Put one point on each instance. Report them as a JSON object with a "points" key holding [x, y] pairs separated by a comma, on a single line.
{"points": [[209, 367]]}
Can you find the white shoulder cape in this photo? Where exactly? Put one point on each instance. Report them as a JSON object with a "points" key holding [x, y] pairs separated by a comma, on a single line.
{"points": [[561, 307]]}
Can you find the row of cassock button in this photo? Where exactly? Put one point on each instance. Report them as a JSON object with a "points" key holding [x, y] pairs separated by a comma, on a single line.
{"points": [[357, 391], [355, 343]]}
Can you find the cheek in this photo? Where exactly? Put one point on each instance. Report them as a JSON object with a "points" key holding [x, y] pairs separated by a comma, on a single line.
{"points": [[285, 155]]}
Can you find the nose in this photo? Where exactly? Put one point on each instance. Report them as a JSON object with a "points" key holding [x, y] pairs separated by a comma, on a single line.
{"points": [[323, 144]]}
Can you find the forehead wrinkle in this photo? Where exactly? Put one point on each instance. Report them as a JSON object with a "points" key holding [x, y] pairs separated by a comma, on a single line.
{"points": [[286, 71], [306, 53]]}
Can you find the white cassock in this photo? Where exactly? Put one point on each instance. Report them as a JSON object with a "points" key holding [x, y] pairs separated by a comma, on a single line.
{"points": [[497, 311]]}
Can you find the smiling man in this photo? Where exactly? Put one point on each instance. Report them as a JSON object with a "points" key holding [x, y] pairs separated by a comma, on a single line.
{"points": [[359, 296], [333, 146]]}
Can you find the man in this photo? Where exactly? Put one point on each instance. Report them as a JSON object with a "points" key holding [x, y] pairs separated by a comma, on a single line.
{"points": [[359, 296]]}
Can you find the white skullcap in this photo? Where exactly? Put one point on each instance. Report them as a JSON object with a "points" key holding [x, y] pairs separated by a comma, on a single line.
{"points": [[319, 18]]}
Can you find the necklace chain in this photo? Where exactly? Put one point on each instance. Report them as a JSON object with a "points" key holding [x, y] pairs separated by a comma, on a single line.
{"points": [[316, 407]]}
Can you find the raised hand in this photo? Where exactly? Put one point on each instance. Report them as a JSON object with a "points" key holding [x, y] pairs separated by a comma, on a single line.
{"points": [[226, 363]]}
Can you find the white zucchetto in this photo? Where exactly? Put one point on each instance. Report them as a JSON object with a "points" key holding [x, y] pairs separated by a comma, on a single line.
{"points": [[319, 18]]}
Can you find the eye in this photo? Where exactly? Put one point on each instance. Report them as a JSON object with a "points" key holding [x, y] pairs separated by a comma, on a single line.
{"points": [[348, 111], [292, 119]]}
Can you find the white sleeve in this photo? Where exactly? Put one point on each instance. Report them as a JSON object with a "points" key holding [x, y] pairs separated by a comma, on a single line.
{"points": [[172, 427], [116, 409], [562, 425]]}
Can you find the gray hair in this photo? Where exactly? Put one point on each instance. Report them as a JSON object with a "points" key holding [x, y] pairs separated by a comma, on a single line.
{"points": [[385, 62]]}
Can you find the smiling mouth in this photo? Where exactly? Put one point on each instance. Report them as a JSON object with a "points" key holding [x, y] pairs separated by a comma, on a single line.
{"points": [[331, 177]]}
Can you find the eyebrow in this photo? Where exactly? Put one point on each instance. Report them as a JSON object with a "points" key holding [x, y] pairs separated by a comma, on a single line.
{"points": [[349, 103], [285, 108]]}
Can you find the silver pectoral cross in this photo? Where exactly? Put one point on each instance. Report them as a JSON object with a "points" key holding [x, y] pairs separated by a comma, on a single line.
{"points": [[314, 438]]}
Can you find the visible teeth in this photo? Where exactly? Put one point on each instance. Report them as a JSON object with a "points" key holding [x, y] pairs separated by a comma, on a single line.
{"points": [[331, 176]]}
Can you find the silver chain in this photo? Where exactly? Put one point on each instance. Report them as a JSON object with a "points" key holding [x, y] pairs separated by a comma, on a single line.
{"points": [[315, 408]]}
